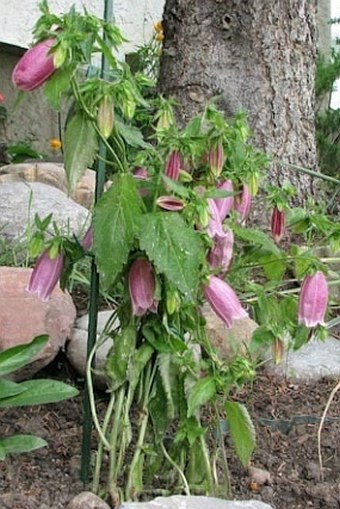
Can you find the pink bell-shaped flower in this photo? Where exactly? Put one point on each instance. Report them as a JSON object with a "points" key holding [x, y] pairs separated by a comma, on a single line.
{"points": [[224, 301], [242, 202], [278, 220], [220, 255], [34, 67], [45, 275], [142, 286], [313, 300], [224, 205], [215, 226], [173, 165]]}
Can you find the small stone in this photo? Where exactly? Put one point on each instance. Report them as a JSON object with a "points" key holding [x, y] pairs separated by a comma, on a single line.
{"points": [[258, 475], [87, 500]]}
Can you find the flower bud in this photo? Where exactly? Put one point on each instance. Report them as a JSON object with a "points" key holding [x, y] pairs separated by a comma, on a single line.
{"points": [[170, 203], [253, 183], [313, 300], [277, 224], [173, 165], [216, 159], [34, 67], [105, 117]]}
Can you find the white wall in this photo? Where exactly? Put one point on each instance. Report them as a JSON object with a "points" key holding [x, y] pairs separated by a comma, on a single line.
{"points": [[135, 18]]}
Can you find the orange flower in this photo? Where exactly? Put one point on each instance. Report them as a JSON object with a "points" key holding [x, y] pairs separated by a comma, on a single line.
{"points": [[158, 27], [159, 36], [55, 144]]}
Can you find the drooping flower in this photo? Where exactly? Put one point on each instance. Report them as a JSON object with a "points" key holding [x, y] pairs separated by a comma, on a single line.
{"points": [[173, 165], [34, 67], [224, 301], [45, 275], [2, 98], [224, 205], [242, 202], [220, 255], [170, 203], [142, 286], [278, 223], [313, 300], [215, 226], [216, 158]]}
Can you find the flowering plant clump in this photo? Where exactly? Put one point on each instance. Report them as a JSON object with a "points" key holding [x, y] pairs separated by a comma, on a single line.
{"points": [[169, 234]]}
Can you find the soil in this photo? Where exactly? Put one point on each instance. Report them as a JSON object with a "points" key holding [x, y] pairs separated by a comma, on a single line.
{"points": [[286, 448]]}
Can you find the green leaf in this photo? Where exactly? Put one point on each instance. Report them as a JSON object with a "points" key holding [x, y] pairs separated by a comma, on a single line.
{"points": [[56, 85], [132, 135], [16, 357], [203, 390], [21, 443], [120, 356], [242, 430], [273, 264], [9, 388], [142, 357], [257, 237], [158, 408], [39, 392], [80, 146], [116, 224], [175, 249]]}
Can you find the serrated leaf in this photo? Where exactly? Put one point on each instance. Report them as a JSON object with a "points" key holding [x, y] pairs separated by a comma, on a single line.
{"points": [[39, 392], [56, 85], [273, 264], [241, 429], [18, 356], [18, 444], [203, 390], [158, 408], [120, 356], [175, 249], [132, 135], [80, 146], [9, 388], [257, 237], [116, 224]]}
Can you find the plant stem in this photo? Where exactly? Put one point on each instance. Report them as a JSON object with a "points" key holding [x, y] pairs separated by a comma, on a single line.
{"points": [[179, 470], [116, 427], [311, 172], [99, 457]]}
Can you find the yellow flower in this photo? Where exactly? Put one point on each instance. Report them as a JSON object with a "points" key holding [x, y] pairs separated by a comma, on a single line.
{"points": [[158, 27], [159, 36], [55, 144]]}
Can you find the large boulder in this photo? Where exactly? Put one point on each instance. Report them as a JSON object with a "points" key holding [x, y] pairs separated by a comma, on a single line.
{"points": [[24, 316], [192, 502], [52, 174], [21, 201]]}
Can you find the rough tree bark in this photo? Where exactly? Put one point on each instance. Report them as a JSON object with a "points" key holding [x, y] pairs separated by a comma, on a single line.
{"points": [[259, 56]]}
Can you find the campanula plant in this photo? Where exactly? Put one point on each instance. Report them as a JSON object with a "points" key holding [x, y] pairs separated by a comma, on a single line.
{"points": [[168, 235]]}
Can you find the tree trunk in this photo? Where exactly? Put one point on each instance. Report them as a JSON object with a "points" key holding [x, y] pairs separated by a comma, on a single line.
{"points": [[258, 56]]}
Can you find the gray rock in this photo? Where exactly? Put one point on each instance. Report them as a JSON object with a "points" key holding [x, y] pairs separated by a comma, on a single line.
{"points": [[184, 502], [20, 201], [314, 360], [77, 347], [87, 500]]}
